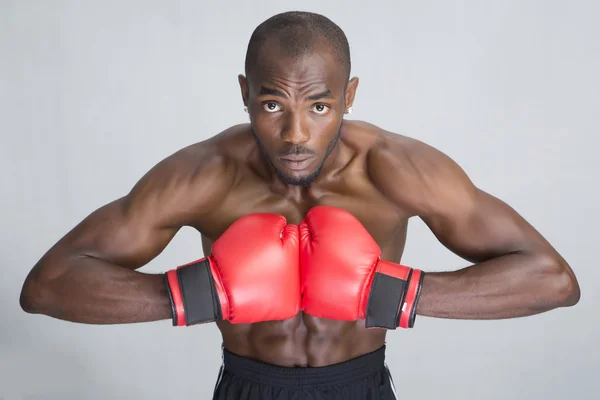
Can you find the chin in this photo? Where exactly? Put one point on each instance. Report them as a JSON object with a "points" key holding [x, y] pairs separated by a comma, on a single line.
{"points": [[303, 179]]}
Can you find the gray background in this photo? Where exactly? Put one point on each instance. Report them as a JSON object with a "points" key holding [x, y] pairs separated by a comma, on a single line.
{"points": [[94, 93]]}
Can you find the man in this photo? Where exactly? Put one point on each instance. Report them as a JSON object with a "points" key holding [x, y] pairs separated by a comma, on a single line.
{"points": [[303, 217]]}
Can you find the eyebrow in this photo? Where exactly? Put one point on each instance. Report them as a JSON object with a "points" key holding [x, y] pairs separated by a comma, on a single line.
{"points": [[265, 91], [323, 95], [270, 92]]}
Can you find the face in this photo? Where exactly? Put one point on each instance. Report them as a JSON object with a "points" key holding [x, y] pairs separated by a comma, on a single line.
{"points": [[296, 109]]}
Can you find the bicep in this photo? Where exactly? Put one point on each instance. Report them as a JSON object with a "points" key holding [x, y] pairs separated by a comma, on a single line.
{"points": [[131, 231], [471, 223], [477, 226], [128, 232], [123, 233]]}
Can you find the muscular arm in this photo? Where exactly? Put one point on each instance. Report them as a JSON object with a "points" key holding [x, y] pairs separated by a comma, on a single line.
{"points": [[90, 275], [515, 271]]}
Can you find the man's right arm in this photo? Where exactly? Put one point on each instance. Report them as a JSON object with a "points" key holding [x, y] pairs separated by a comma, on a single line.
{"points": [[89, 275]]}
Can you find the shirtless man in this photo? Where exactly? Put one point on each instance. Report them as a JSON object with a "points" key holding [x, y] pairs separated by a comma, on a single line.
{"points": [[303, 217]]}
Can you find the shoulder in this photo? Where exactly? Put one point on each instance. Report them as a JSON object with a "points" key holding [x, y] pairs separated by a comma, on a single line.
{"points": [[207, 159], [191, 181], [415, 175]]}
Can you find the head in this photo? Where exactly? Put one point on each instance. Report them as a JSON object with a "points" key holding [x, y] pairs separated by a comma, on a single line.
{"points": [[297, 90]]}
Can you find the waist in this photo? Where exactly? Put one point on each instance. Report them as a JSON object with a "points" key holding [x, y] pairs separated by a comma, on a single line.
{"points": [[335, 374]]}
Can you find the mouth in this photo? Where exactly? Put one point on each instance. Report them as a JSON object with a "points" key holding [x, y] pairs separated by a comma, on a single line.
{"points": [[297, 163]]}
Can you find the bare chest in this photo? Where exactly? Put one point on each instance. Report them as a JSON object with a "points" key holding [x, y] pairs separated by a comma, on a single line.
{"points": [[385, 222]]}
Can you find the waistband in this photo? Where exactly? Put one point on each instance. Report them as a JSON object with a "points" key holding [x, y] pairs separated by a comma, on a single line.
{"points": [[290, 377]]}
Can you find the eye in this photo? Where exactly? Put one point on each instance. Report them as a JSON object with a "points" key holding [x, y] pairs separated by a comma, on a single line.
{"points": [[271, 107], [320, 109]]}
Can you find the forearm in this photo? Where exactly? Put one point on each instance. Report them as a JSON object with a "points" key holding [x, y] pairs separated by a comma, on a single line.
{"points": [[514, 285], [94, 291]]}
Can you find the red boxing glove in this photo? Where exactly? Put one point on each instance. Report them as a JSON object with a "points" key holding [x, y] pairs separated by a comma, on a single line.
{"points": [[343, 277], [252, 275]]}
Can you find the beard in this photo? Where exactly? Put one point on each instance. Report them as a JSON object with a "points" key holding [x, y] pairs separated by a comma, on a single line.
{"points": [[297, 150]]}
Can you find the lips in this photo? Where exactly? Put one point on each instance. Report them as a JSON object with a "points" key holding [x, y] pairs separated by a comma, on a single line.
{"points": [[297, 162]]}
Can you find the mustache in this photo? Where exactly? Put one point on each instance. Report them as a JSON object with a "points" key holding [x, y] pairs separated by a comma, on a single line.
{"points": [[296, 151]]}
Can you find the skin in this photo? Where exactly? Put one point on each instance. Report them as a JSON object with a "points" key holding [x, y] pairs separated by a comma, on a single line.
{"points": [[92, 274]]}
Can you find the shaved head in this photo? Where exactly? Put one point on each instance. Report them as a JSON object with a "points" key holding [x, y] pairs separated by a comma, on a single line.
{"points": [[297, 34]]}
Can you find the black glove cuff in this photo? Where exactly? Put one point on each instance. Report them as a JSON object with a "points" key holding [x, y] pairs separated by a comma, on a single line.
{"points": [[383, 306], [198, 293]]}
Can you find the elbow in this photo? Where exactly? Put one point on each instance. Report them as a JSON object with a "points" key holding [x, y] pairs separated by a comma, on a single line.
{"points": [[28, 300], [562, 284], [28, 305], [571, 293], [35, 295], [43, 291]]}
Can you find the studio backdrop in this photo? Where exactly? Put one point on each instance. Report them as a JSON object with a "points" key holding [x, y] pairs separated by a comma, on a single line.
{"points": [[94, 93]]}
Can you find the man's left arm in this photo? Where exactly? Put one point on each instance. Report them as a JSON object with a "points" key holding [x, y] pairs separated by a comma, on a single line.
{"points": [[515, 271]]}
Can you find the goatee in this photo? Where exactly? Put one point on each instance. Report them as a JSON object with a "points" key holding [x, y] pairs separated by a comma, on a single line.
{"points": [[302, 181]]}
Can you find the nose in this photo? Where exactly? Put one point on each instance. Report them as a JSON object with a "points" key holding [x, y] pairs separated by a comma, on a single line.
{"points": [[295, 131]]}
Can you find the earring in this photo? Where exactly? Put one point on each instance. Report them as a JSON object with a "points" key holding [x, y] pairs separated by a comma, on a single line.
{"points": [[245, 109], [349, 110]]}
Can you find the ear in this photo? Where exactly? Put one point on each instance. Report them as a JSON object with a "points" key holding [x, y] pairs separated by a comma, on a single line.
{"points": [[351, 91], [244, 88]]}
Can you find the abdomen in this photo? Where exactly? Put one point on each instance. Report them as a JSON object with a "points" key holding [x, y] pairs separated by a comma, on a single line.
{"points": [[301, 341]]}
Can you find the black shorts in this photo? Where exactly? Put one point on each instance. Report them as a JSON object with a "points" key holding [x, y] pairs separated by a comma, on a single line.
{"points": [[365, 378]]}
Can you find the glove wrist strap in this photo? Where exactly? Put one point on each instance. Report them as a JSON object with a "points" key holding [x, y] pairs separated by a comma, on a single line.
{"points": [[409, 306], [193, 294], [394, 295]]}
